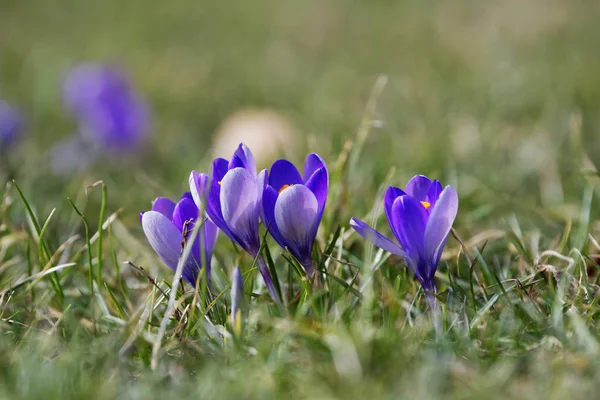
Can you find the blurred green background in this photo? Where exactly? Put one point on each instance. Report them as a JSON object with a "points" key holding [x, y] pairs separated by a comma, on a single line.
{"points": [[500, 99], [493, 97]]}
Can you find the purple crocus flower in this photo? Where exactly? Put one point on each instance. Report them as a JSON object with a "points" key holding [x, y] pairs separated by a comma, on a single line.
{"points": [[167, 227], [420, 217], [11, 126], [110, 113], [234, 204], [293, 206]]}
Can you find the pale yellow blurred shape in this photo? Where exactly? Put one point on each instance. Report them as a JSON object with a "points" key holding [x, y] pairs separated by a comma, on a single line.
{"points": [[266, 132], [465, 136]]}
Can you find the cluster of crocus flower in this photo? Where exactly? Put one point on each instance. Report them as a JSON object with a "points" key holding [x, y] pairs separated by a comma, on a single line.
{"points": [[236, 199], [290, 205]]}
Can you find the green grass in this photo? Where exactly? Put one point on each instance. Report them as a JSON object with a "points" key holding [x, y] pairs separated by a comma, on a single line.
{"points": [[500, 100]]}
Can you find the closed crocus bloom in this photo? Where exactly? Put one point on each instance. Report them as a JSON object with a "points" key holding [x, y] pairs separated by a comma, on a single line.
{"points": [[234, 204], [421, 217], [110, 113], [233, 198], [199, 185], [293, 206], [169, 225], [11, 126]]}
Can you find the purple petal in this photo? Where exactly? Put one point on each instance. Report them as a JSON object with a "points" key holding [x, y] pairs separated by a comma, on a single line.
{"points": [[261, 183], [199, 185], [243, 158], [312, 164], [319, 185], [219, 169], [375, 237], [239, 202], [391, 194], [164, 206], [434, 193], [295, 212], [211, 232], [269, 199], [185, 211], [163, 237], [408, 223], [439, 224], [213, 204], [418, 187], [269, 283], [185, 215], [190, 270], [284, 173]]}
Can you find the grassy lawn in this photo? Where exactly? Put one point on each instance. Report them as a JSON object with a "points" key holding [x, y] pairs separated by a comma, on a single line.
{"points": [[501, 100]]}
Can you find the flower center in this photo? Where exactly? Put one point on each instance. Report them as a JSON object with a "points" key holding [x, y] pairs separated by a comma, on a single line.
{"points": [[285, 187], [426, 204], [219, 182]]}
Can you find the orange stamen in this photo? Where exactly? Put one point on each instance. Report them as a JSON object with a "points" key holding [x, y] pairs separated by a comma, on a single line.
{"points": [[426, 204], [285, 187]]}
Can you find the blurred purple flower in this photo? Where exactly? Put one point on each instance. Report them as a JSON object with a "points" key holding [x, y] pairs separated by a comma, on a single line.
{"points": [[11, 126], [167, 227], [421, 218], [110, 113], [234, 204], [293, 206]]}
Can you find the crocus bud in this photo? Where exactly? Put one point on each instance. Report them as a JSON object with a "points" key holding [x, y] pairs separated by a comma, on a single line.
{"points": [[237, 301]]}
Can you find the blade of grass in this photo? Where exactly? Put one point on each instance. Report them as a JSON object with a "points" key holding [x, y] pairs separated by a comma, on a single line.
{"points": [[103, 206], [89, 247], [45, 253], [115, 302]]}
